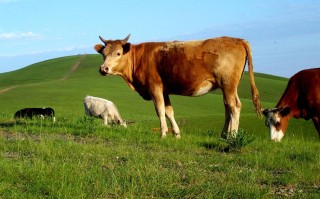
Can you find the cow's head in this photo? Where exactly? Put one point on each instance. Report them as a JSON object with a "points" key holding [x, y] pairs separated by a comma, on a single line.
{"points": [[277, 122], [113, 52]]}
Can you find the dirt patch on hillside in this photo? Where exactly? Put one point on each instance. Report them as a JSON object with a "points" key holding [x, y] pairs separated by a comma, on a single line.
{"points": [[73, 68], [7, 89]]}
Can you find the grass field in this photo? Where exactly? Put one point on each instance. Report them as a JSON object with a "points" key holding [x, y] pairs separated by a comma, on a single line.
{"points": [[77, 157]]}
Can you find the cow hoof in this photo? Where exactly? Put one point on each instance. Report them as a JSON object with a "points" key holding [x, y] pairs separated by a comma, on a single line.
{"points": [[224, 135], [163, 135], [177, 136]]}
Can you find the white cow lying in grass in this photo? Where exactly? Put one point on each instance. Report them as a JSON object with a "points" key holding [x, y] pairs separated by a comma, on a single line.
{"points": [[98, 107]]}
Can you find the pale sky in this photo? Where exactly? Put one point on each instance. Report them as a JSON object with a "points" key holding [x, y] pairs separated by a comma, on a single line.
{"points": [[284, 35]]}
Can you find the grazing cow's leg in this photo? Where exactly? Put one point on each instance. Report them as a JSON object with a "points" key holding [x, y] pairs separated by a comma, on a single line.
{"points": [[232, 112], [105, 119], [160, 108], [236, 113], [316, 122], [227, 119], [170, 116]]}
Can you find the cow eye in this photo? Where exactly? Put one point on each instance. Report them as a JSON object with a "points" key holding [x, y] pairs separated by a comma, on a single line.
{"points": [[118, 54]]}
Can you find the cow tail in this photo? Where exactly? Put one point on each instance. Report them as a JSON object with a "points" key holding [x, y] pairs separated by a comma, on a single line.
{"points": [[254, 89]]}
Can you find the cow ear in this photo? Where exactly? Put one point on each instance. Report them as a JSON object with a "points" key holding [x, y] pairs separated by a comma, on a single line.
{"points": [[126, 47], [284, 111], [99, 48]]}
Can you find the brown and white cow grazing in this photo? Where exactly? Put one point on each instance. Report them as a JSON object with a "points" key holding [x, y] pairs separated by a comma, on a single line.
{"points": [[193, 68], [301, 99]]}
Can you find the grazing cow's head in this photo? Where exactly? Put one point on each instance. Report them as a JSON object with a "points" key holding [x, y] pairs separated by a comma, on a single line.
{"points": [[113, 52], [277, 122]]}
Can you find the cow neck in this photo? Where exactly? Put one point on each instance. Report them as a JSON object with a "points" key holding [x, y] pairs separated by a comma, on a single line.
{"points": [[133, 55], [127, 74], [293, 111], [289, 99], [282, 104], [131, 65]]}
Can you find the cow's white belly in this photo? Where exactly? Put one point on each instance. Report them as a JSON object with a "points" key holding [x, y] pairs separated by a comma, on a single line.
{"points": [[204, 88]]}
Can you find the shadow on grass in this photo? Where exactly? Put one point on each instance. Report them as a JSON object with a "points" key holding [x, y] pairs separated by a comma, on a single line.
{"points": [[234, 141], [218, 146], [7, 124]]}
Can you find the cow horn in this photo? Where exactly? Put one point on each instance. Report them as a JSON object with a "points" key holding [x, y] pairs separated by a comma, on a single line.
{"points": [[103, 40], [126, 39], [268, 110], [276, 109]]}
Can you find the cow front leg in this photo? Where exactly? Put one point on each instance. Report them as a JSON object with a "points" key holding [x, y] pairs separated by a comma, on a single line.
{"points": [[160, 109], [170, 116], [316, 122], [105, 120]]}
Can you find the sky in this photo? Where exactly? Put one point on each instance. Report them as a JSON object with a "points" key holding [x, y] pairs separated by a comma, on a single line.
{"points": [[284, 35]]}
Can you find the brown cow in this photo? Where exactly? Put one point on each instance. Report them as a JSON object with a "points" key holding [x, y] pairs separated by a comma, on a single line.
{"points": [[157, 69], [301, 99]]}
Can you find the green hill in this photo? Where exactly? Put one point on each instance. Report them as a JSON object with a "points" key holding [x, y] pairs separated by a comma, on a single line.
{"points": [[62, 83]]}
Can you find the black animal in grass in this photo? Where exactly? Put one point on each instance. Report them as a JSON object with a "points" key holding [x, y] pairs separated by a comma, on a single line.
{"points": [[35, 112]]}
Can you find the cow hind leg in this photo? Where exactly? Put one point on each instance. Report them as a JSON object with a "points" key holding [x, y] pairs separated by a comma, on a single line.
{"points": [[232, 113], [170, 116], [227, 120]]}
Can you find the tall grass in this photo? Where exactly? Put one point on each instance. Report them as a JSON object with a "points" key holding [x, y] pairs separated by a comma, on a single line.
{"points": [[42, 159]]}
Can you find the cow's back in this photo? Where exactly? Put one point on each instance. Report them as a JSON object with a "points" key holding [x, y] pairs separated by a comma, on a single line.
{"points": [[303, 93], [184, 66], [95, 105], [309, 87]]}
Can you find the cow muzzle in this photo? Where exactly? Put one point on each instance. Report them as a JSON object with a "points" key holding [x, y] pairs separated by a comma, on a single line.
{"points": [[276, 136], [104, 70]]}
